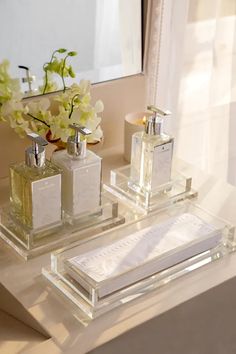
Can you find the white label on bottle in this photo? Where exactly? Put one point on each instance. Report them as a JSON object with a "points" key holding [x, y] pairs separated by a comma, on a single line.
{"points": [[86, 188], [46, 201], [162, 161]]}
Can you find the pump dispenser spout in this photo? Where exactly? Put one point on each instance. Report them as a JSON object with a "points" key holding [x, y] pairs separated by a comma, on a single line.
{"points": [[75, 146], [35, 154], [28, 79], [154, 124]]}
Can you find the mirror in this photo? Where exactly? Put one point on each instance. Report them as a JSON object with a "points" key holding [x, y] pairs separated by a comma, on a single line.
{"points": [[106, 34]]}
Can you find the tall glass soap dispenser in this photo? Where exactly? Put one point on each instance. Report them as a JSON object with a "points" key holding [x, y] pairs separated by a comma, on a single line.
{"points": [[36, 188], [81, 174], [151, 155]]}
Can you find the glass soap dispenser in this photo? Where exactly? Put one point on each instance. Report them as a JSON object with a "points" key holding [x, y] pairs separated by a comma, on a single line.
{"points": [[81, 175], [151, 155], [35, 184]]}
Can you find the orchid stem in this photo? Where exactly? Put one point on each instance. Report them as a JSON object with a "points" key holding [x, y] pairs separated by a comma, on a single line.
{"points": [[72, 105], [39, 120]]}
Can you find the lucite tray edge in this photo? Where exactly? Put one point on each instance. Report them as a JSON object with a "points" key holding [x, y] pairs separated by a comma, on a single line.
{"points": [[139, 289], [150, 283]]}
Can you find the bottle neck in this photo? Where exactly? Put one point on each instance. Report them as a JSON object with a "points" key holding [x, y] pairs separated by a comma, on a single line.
{"points": [[35, 157], [76, 149], [154, 126]]}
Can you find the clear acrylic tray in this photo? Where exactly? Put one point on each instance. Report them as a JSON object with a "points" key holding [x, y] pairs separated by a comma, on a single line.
{"points": [[136, 258], [30, 243], [179, 188]]}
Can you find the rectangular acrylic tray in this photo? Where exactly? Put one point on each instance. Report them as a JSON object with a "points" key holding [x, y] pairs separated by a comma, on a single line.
{"points": [[179, 188], [29, 243], [136, 258]]}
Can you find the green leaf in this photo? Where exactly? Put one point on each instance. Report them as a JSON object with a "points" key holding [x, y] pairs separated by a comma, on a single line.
{"points": [[72, 54], [71, 72], [61, 50], [55, 66]]}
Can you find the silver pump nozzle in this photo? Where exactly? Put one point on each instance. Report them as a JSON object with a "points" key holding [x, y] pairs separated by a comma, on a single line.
{"points": [[29, 79], [76, 147], [35, 154], [154, 123]]}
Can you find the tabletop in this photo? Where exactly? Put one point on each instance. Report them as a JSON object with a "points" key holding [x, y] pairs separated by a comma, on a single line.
{"points": [[64, 327]]}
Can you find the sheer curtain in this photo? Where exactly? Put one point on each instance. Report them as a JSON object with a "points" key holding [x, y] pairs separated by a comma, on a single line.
{"points": [[164, 53], [195, 42]]}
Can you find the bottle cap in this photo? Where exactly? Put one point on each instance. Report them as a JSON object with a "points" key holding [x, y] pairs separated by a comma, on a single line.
{"points": [[76, 147], [35, 155], [154, 124]]}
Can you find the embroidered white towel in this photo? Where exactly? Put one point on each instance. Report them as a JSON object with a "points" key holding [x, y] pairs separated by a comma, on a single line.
{"points": [[145, 252]]}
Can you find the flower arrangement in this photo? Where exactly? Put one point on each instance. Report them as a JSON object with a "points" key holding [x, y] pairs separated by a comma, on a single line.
{"points": [[57, 66], [73, 105]]}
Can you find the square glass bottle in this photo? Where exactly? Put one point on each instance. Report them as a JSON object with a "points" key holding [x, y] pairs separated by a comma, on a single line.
{"points": [[81, 176], [35, 191], [151, 156]]}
